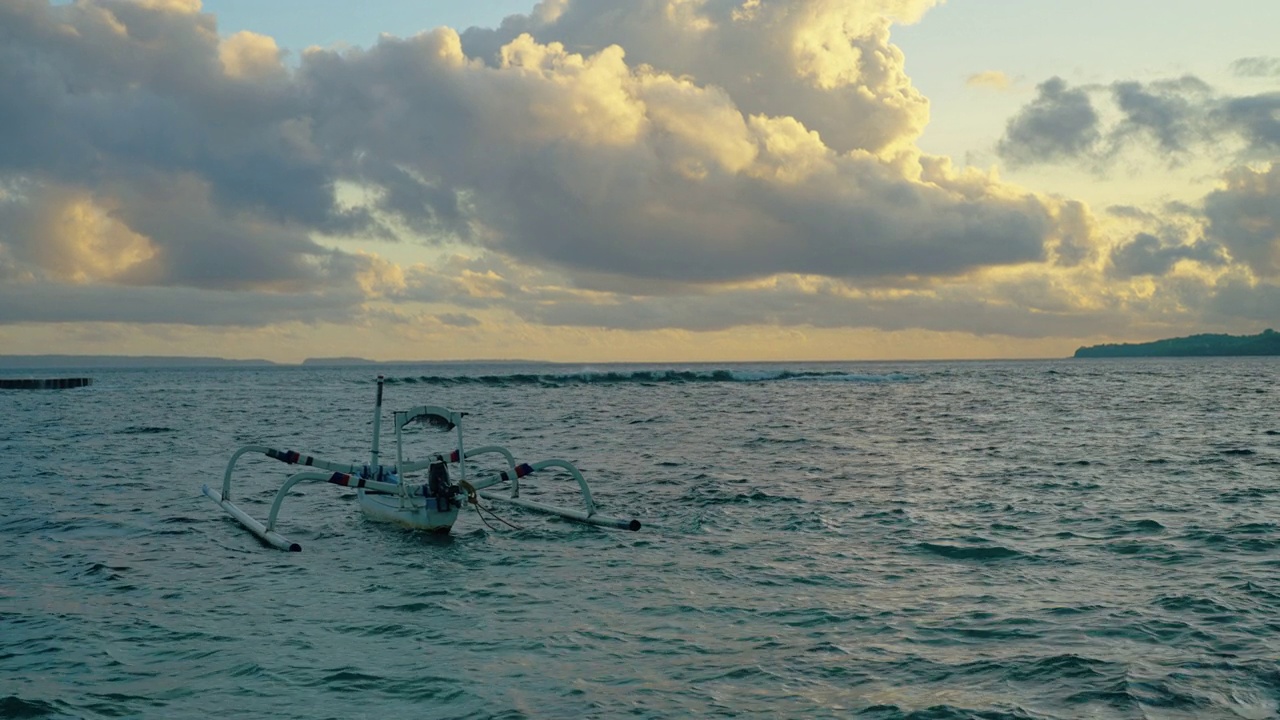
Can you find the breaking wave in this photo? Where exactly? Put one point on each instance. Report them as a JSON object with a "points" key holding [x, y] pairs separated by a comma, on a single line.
{"points": [[653, 377]]}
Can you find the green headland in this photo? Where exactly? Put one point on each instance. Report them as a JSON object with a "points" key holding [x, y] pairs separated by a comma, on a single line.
{"points": [[1265, 343]]}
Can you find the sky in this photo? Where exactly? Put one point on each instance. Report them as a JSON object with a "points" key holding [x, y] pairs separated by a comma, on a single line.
{"points": [[635, 180]]}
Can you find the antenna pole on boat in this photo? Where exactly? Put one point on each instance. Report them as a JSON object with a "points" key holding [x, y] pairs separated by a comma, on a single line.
{"points": [[462, 452], [377, 428]]}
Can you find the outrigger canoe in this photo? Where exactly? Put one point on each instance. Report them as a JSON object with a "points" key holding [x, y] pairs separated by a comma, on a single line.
{"points": [[389, 493]]}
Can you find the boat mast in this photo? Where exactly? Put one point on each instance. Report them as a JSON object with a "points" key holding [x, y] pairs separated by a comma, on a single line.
{"points": [[377, 428]]}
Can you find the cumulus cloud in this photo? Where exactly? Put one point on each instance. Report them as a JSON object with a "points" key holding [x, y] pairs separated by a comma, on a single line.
{"points": [[1256, 119], [1171, 117], [828, 63], [1060, 123], [1244, 215], [1238, 298], [1165, 111], [248, 54], [1147, 254], [603, 166]]}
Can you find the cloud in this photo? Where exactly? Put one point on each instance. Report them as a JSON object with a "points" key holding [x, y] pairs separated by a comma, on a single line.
{"points": [[248, 54], [1256, 119], [162, 231], [1165, 111], [1147, 254], [1032, 303], [1244, 215], [1238, 298], [126, 109], [822, 62], [458, 320], [1060, 123], [47, 303], [1171, 118], [599, 166], [1256, 67], [70, 237], [993, 79], [1130, 212]]}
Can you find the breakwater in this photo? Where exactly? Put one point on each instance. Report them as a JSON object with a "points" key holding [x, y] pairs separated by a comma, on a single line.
{"points": [[43, 383]]}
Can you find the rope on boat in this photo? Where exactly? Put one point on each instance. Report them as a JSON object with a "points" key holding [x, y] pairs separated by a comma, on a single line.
{"points": [[474, 498]]}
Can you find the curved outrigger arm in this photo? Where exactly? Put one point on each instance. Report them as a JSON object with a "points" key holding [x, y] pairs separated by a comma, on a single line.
{"points": [[589, 516], [289, 457], [267, 532]]}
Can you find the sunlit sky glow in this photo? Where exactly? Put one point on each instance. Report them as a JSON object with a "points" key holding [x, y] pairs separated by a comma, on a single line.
{"points": [[635, 180]]}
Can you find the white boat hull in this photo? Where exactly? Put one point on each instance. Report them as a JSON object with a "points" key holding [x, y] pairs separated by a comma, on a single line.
{"points": [[419, 513]]}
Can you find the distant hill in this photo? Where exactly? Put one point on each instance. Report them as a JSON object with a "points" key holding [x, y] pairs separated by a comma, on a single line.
{"points": [[1265, 343], [312, 362], [43, 362]]}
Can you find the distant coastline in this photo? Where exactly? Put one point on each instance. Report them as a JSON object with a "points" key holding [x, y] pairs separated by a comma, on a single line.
{"points": [[41, 362], [44, 362], [1265, 343]]}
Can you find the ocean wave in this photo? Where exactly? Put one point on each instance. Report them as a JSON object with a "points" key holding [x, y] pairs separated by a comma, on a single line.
{"points": [[624, 377], [939, 712], [962, 552], [13, 706]]}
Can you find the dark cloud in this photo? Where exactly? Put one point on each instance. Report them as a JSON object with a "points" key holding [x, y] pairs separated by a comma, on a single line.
{"points": [[47, 303], [1060, 123], [1130, 212], [793, 306], [1170, 117], [460, 320], [1075, 242], [94, 89], [1256, 67], [1166, 111], [1147, 254], [132, 105], [1175, 207], [1029, 308], [1256, 119], [1238, 299], [1244, 216]]}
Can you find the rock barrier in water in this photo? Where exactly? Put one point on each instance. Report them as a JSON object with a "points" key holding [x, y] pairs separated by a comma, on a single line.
{"points": [[43, 383]]}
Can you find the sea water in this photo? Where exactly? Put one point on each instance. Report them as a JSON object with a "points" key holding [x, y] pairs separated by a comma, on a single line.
{"points": [[1055, 539]]}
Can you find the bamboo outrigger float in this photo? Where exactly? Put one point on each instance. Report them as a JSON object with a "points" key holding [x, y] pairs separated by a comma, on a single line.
{"points": [[385, 492]]}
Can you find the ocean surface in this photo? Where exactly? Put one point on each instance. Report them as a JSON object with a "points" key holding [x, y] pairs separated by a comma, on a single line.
{"points": [[1050, 539]]}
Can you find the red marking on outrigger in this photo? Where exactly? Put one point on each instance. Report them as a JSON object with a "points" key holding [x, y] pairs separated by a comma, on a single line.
{"points": [[289, 457], [521, 470]]}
